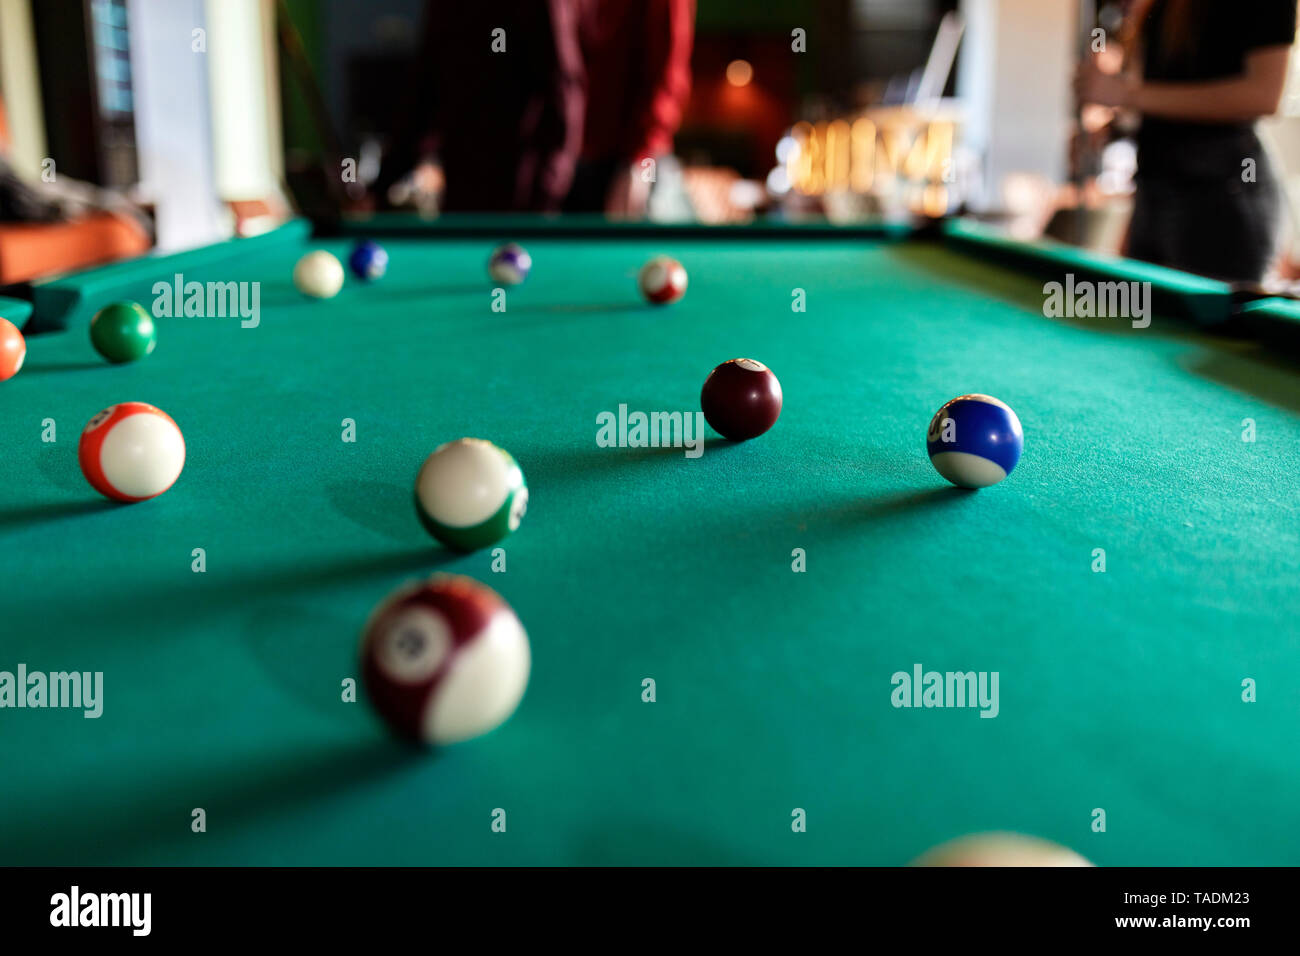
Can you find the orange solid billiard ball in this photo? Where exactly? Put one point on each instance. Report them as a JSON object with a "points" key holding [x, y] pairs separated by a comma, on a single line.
{"points": [[13, 349]]}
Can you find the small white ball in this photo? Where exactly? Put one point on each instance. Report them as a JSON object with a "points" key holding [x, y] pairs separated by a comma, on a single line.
{"points": [[319, 275]]}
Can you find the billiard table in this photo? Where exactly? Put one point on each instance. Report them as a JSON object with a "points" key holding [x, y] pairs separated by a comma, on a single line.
{"points": [[717, 638]]}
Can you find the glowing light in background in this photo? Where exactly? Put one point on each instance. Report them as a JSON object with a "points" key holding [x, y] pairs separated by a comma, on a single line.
{"points": [[862, 162], [914, 157], [739, 72], [778, 181], [787, 148], [837, 155]]}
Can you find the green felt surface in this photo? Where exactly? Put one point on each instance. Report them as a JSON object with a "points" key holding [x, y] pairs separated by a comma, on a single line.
{"points": [[70, 301], [17, 311], [1119, 691], [1177, 294], [1287, 310]]}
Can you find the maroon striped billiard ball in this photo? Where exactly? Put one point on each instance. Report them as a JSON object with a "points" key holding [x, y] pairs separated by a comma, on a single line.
{"points": [[444, 659], [741, 399], [662, 280]]}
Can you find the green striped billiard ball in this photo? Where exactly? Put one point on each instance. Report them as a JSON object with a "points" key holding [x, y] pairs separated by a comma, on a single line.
{"points": [[123, 332], [470, 494]]}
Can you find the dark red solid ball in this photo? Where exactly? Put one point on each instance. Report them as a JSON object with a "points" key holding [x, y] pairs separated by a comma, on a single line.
{"points": [[741, 399]]}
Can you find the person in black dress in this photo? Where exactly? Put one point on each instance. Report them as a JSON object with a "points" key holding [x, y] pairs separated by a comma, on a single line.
{"points": [[1200, 73]]}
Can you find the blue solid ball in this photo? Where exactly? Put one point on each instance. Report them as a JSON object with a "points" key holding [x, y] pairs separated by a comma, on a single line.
{"points": [[974, 440], [368, 261]]}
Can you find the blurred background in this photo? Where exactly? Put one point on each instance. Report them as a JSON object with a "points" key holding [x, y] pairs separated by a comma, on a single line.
{"points": [[129, 124]]}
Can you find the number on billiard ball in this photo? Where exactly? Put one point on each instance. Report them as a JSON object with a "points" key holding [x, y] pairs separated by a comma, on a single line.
{"points": [[445, 660]]}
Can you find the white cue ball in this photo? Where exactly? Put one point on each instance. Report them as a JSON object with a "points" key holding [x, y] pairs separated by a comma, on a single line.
{"points": [[319, 275]]}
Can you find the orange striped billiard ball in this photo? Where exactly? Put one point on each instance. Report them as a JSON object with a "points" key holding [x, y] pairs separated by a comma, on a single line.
{"points": [[131, 452]]}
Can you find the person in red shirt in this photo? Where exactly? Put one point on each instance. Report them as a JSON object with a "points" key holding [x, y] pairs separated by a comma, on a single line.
{"points": [[637, 55], [543, 105]]}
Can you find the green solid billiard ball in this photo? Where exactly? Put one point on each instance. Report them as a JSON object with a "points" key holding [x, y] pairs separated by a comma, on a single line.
{"points": [[470, 494], [123, 332]]}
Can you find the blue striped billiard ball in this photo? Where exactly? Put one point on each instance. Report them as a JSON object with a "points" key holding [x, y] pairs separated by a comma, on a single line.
{"points": [[509, 264], [369, 261], [974, 440]]}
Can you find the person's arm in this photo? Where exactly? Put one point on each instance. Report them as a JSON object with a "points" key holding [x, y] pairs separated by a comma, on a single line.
{"points": [[415, 131], [557, 137], [1240, 99], [670, 34]]}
